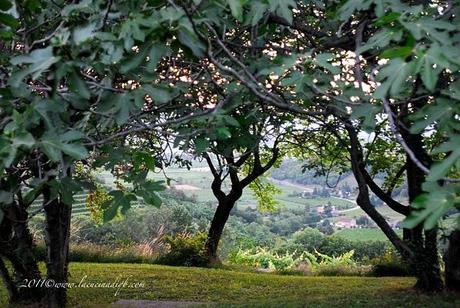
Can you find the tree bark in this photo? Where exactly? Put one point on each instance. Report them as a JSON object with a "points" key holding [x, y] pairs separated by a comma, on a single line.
{"points": [[357, 166], [16, 245], [425, 245], [57, 235], [227, 201], [452, 261], [217, 226]]}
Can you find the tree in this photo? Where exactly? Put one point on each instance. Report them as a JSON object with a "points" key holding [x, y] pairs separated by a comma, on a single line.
{"points": [[76, 77], [243, 154], [345, 65]]}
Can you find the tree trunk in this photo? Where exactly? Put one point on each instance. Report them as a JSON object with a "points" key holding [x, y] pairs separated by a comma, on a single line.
{"points": [[452, 261], [17, 247], [217, 226], [426, 261], [363, 201], [9, 283], [57, 234]]}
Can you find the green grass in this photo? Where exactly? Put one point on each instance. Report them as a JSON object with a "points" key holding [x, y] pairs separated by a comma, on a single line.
{"points": [[368, 234], [220, 286]]}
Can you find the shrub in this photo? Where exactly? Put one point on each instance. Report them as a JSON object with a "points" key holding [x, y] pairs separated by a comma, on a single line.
{"points": [[389, 264], [305, 263], [185, 250], [264, 258]]}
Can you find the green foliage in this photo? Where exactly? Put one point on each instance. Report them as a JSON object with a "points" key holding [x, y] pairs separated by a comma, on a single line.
{"points": [[309, 263], [264, 258], [185, 250], [389, 264], [95, 201], [264, 193]]}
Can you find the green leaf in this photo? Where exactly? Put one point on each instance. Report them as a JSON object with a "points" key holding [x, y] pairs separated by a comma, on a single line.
{"points": [[120, 201], [432, 62], [8, 20], [40, 60], [387, 19], [201, 144], [190, 40], [31, 195], [323, 60], [394, 76], [430, 28], [440, 111], [160, 94], [236, 6], [398, 52], [78, 85], [135, 60], [53, 147], [428, 208], [143, 159], [5, 5], [441, 169], [283, 9], [150, 198], [82, 34], [258, 10], [157, 52], [351, 6], [381, 39], [223, 133], [24, 139], [367, 112]]}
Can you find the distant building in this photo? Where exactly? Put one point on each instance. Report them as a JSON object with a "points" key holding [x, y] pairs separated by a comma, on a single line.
{"points": [[346, 223], [330, 212]]}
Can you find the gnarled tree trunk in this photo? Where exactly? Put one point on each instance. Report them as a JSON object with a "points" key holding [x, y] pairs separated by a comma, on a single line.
{"points": [[219, 220]]}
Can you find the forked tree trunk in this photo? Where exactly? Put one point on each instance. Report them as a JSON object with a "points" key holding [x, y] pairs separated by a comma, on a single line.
{"points": [[57, 235], [452, 261]]}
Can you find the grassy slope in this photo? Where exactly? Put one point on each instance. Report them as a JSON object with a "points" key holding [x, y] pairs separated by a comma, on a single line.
{"points": [[230, 287], [363, 234]]}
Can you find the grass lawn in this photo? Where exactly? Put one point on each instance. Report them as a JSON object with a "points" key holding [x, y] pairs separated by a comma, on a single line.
{"points": [[369, 234], [219, 286]]}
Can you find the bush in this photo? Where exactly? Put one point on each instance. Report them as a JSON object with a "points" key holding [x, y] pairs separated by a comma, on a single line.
{"points": [[263, 258], [306, 263], [389, 264], [185, 250]]}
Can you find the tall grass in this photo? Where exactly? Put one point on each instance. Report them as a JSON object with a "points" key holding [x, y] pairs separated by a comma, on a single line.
{"points": [[88, 252]]}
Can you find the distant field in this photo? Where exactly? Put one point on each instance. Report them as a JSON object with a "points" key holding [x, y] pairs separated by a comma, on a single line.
{"points": [[200, 178], [220, 287], [368, 234]]}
